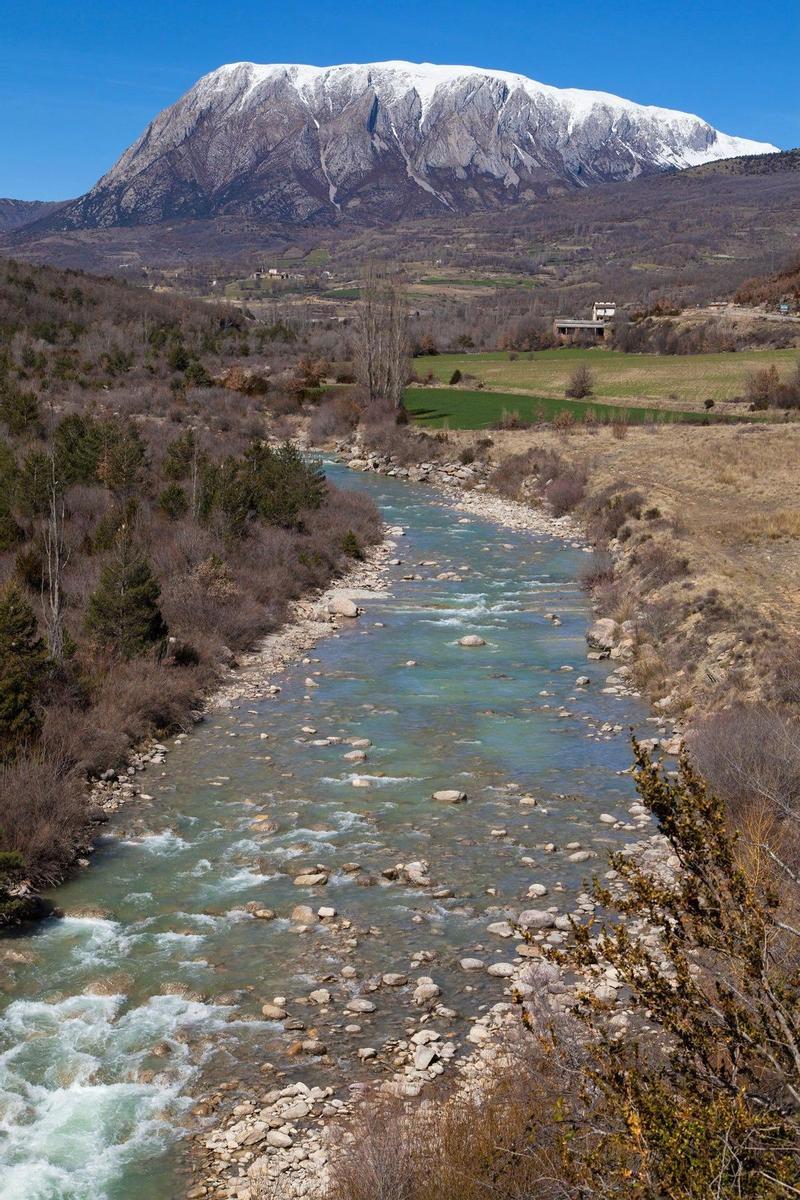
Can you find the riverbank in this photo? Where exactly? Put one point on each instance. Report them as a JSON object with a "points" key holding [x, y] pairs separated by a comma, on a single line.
{"points": [[694, 532], [281, 1143], [287, 907], [246, 676], [250, 677]]}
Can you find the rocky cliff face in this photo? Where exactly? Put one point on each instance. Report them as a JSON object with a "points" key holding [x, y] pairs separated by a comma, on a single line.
{"points": [[380, 141]]}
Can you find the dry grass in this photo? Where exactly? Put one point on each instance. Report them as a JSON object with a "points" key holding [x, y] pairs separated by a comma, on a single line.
{"points": [[724, 499], [504, 1141], [782, 524]]}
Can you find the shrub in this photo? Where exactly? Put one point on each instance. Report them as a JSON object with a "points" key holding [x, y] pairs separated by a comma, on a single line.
{"points": [[455, 377], [351, 545], [609, 509], [565, 492], [123, 612], [659, 563], [564, 421], [711, 1108], [173, 502], [334, 418], [43, 814], [580, 383], [598, 571]]}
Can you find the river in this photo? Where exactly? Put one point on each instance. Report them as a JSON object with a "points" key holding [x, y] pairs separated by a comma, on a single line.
{"points": [[148, 992]]}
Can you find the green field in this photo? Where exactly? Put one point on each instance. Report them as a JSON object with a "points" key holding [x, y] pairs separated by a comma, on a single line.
{"points": [[631, 378], [457, 408]]}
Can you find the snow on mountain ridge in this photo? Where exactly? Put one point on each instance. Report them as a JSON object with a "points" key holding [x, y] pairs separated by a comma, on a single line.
{"points": [[292, 142], [427, 78]]}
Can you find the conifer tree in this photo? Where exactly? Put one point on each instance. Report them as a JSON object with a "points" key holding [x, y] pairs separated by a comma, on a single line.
{"points": [[123, 611], [23, 660]]}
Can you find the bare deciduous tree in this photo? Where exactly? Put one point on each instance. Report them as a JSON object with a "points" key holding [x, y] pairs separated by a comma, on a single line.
{"points": [[381, 353], [56, 555]]}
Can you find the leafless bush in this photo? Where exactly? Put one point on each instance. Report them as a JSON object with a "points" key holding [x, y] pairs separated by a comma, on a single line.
{"points": [[751, 753], [580, 383], [599, 570], [333, 419], [660, 563], [504, 1141], [42, 815], [565, 492]]}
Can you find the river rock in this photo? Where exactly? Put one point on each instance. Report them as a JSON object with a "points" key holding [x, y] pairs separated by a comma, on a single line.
{"points": [[502, 970], [303, 914], [501, 929], [312, 879], [320, 996], [450, 796], [424, 1056], [416, 873], [278, 1139], [472, 639], [471, 964], [273, 1012], [602, 635], [393, 980], [341, 606], [425, 990], [537, 918], [360, 1005]]}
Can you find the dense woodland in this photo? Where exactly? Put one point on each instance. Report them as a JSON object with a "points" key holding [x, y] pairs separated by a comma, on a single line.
{"points": [[148, 532]]}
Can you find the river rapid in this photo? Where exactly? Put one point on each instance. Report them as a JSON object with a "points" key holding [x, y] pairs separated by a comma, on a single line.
{"points": [[147, 994]]}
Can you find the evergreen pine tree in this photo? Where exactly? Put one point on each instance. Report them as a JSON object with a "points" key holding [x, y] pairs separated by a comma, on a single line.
{"points": [[123, 611], [23, 659]]}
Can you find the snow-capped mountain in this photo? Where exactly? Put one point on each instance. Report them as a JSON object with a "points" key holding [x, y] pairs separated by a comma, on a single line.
{"points": [[380, 140]]}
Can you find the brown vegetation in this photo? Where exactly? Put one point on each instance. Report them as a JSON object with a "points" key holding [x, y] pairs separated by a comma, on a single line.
{"points": [[148, 532]]}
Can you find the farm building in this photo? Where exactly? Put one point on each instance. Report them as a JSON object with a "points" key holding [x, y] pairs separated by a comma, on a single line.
{"points": [[603, 314]]}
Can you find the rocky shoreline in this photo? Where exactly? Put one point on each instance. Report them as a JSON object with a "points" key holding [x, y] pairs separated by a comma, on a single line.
{"points": [[248, 678], [282, 1142]]}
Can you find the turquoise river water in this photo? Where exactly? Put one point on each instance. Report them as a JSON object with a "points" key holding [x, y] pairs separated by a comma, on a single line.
{"points": [[114, 1019]]}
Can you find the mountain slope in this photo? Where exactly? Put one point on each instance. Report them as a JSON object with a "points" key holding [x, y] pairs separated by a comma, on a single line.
{"points": [[378, 141], [15, 214]]}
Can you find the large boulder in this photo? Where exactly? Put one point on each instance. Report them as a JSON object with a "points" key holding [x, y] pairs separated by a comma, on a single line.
{"points": [[450, 796], [342, 606], [536, 918], [603, 634]]}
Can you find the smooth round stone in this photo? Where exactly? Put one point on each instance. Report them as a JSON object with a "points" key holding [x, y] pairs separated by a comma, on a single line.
{"points": [[450, 796], [360, 1005], [471, 964], [472, 639], [501, 970]]}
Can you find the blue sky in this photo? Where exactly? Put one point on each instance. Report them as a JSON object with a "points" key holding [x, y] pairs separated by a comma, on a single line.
{"points": [[79, 81]]}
